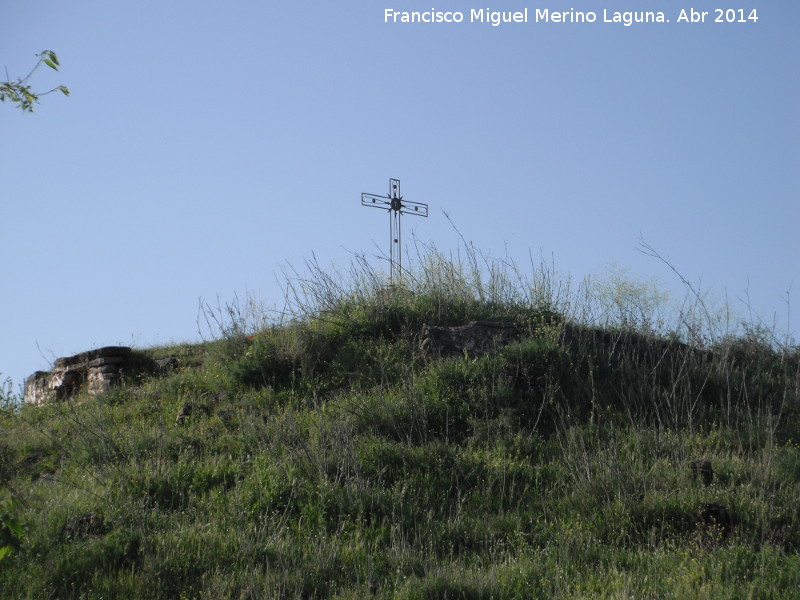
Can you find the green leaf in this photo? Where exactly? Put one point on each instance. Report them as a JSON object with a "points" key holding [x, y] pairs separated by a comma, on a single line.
{"points": [[50, 64], [14, 526], [64, 90]]}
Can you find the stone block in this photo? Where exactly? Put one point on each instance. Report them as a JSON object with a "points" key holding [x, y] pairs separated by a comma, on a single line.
{"points": [[95, 371], [474, 339]]}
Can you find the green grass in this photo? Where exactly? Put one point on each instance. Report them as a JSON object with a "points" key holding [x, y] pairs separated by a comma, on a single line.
{"points": [[327, 457]]}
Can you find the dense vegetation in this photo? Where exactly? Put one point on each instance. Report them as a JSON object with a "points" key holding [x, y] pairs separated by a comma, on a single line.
{"points": [[601, 454]]}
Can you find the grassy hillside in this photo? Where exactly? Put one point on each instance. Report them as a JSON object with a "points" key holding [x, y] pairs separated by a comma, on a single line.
{"points": [[602, 454]]}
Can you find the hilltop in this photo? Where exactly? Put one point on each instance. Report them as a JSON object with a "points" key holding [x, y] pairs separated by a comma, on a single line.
{"points": [[462, 436]]}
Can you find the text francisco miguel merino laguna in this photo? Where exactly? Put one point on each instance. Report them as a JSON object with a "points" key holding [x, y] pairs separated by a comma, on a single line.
{"points": [[544, 15]]}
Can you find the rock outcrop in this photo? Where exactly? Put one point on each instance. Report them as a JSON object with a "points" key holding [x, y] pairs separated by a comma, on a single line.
{"points": [[94, 371], [474, 339]]}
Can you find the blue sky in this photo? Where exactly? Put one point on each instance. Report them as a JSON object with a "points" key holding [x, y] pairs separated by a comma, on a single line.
{"points": [[205, 144]]}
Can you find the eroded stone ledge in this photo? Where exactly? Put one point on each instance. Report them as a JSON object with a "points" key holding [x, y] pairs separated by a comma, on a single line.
{"points": [[474, 339], [94, 371]]}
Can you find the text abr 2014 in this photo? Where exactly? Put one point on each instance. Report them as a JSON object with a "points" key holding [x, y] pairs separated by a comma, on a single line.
{"points": [[545, 15]]}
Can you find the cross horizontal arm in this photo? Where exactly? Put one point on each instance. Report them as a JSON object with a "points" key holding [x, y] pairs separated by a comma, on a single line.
{"points": [[407, 208]]}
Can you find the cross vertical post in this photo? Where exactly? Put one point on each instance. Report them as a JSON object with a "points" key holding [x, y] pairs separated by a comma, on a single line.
{"points": [[396, 206]]}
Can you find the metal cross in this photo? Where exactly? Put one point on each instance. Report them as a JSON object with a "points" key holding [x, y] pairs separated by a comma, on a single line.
{"points": [[396, 206]]}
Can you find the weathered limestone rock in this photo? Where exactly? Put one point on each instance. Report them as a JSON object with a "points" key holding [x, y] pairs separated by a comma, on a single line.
{"points": [[94, 371], [166, 364], [475, 338]]}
